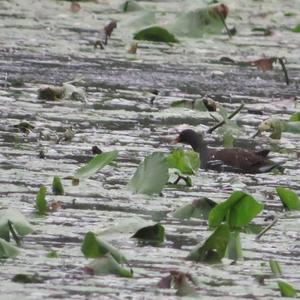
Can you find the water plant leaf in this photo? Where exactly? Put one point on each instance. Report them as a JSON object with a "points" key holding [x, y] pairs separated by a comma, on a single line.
{"points": [[238, 210], [184, 283], [53, 254], [275, 268], [187, 162], [131, 5], [234, 248], [288, 198], [107, 265], [295, 117], [155, 34], [17, 220], [125, 226], [199, 208], [7, 250], [153, 234], [292, 127], [95, 164], [286, 289], [151, 175], [93, 247], [197, 22], [296, 28], [214, 247], [57, 187], [28, 278], [40, 201]]}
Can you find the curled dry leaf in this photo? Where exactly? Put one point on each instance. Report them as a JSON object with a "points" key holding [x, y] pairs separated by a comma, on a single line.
{"points": [[96, 150], [133, 48], [222, 10], [264, 64], [75, 7], [108, 29], [55, 206]]}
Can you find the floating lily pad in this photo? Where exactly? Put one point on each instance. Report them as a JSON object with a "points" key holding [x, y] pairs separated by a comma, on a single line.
{"points": [[131, 5], [296, 28], [295, 117], [214, 247], [238, 210], [41, 202], [155, 34], [152, 234], [187, 162], [57, 187], [288, 198], [96, 164], [17, 220], [151, 175], [199, 208], [286, 289], [28, 278], [234, 248], [93, 247], [7, 250], [107, 265]]}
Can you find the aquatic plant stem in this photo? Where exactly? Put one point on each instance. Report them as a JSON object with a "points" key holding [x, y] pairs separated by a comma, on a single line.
{"points": [[13, 233], [267, 228], [210, 130]]}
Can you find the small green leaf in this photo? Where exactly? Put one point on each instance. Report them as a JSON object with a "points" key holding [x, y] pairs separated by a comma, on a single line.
{"points": [[57, 187], [40, 201], [93, 247], [187, 162], [295, 117], [151, 175], [152, 234], [131, 5], [27, 278], [286, 289], [234, 249], [95, 164], [239, 209], [288, 198], [155, 34], [7, 250], [107, 265], [18, 221], [296, 28], [275, 267], [53, 254], [214, 248], [199, 208]]}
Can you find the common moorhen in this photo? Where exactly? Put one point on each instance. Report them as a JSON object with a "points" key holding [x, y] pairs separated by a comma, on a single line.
{"points": [[230, 159]]}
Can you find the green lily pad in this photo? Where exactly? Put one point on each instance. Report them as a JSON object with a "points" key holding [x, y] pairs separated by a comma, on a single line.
{"points": [[187, 162], [41, 202], [93, 247], [288, 198], [107, 265], [17, 220], [152, 234], [151, 175], [295, 117], [95, 164], [155, 34], [275, 268], [131, 5], [239, 209], [199, 208], [234, 248], [27, 278], [286, 289], [7, 250], [214, 248], [296, 28], [57, 187]]}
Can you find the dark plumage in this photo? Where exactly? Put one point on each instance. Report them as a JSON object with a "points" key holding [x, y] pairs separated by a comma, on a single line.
{"points": [[228, 159]]}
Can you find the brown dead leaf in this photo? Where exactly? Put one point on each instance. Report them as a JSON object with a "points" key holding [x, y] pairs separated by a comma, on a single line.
{"points": [[55, 206], [108, 29], [222, 10], [263, 64], [133, 48], [75, 7], [51, 92]]}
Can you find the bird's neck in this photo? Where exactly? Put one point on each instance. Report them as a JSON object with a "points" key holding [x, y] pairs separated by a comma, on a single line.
{"points": [[200, 146]]}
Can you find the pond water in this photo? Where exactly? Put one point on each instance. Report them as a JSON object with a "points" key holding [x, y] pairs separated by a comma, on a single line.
{"points": [[43, 42]]}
